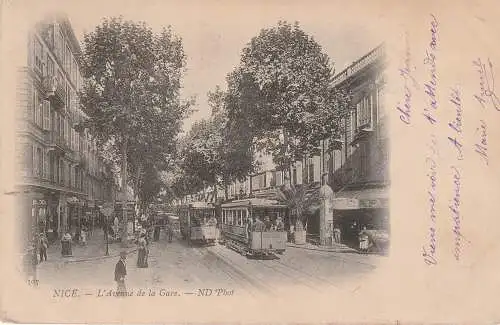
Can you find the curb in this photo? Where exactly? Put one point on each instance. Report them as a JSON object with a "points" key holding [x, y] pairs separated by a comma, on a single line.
{"points": [[340, 250], [93, 258]]}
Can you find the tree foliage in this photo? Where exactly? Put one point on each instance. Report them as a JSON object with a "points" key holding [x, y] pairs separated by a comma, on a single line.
{"points": [[216, 151], [282, 89], [131, 93]]}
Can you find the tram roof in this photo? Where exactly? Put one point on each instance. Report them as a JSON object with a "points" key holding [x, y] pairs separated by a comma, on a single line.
{"points": [[200, 205], [255, 202]]}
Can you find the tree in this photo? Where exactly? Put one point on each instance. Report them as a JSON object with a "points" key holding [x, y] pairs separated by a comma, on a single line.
{"points": [[131, 92], [283, 89], [298, 198], [218, 151]]}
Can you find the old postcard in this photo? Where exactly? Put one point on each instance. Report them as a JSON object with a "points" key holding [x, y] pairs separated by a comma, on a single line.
{"points": [[250, 162]]}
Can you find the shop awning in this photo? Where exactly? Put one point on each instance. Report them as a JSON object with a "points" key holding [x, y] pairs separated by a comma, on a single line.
{"points": [[368, 198]]}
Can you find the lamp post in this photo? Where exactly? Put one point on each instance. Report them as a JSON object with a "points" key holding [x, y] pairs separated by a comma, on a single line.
{"points": [[107, 235]]}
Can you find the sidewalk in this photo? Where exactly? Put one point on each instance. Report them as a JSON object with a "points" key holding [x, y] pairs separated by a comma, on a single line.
{"points": [[336, 248], [94, 250]]}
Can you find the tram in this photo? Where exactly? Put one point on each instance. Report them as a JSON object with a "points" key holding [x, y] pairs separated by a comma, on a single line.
{"points": [[240, 231], [198, 223]]}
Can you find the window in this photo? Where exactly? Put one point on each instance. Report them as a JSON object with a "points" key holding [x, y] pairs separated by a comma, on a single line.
{"points": [[38, 162], [380, 103], [46, 171], [67, 60], [38, 56], [51, 175], [310, 176], [274, 178], [61, 171], [59, 45], [294, 175], [364, 111], [74, 73], [50, 66], [28, 158], [37, 109], [46, 115]]}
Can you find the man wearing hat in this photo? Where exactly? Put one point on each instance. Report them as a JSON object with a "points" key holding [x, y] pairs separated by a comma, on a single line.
{"points": [[120, 273]]}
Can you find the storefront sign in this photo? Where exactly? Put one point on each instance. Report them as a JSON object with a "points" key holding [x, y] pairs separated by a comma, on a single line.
{"points": [[345, 204], [373, 203]]}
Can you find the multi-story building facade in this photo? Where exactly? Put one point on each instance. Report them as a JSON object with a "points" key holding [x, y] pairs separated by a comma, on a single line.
{"points": [[62, 178], [358, 171]]}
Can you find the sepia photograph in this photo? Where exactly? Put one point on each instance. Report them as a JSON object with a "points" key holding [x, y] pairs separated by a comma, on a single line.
{"points": [[276, 176], [267, 162]]}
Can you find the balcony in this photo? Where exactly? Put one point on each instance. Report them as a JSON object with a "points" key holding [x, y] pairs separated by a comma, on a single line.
{"points": [[54, 91], [366, 60], [74, 156], [56, 142]]}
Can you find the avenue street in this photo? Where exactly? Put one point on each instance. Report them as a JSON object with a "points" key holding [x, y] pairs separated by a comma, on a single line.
{"points": [[185, 270]]}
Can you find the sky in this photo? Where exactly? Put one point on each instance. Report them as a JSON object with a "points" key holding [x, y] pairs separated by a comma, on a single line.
{"points": [[215, 32]]}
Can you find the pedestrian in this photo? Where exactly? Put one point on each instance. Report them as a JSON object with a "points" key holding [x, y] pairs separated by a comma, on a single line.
{"points": [[336, 234], [268, 223], [259, 226], [33, 263], [280, 226], [363, 240], [83, 237], [43, 244], [292, 233], [170, 231], [142, 252], [120, 274]]}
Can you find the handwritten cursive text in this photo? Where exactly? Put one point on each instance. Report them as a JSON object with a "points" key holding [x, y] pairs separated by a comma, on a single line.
{"points": [[455, 212], [431, 85], [486, 84], [481, 146]]}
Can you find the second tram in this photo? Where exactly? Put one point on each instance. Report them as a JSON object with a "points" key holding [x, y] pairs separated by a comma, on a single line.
{"points": [[198, 223]]}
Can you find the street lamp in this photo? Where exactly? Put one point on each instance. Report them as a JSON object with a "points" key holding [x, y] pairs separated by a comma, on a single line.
{"points": [[107, 236]]}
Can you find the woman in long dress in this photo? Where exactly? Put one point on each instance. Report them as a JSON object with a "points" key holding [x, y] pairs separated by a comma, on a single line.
{"points": [[141, 251]]}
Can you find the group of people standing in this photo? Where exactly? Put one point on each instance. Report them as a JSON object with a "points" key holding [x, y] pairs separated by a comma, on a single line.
{"points": [[257, 225]]}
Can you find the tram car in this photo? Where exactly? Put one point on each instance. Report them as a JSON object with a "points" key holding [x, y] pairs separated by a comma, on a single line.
{"points": [[198, 223], [241, 233]]}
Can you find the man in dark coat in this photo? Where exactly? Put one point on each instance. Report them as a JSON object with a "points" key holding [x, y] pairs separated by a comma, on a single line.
{"points": [[120, 273], [259, 226]]}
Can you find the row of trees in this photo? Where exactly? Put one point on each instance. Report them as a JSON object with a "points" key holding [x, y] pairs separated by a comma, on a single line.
{"points": [[279, 100], [131, 93]]}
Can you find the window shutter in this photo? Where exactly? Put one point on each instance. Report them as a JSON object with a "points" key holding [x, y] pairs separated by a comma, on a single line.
{"points": [[45, 165], [46, 115]]}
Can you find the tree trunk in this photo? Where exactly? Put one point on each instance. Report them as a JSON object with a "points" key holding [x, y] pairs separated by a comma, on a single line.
{"points": [[226, 191], [214, 194], [124, 192], [137, 197]]}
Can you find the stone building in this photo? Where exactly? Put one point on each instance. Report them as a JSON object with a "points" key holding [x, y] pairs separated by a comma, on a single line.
{"points": [[61, 175]]}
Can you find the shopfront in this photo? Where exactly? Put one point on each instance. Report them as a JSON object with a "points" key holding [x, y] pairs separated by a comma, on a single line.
{"points": [[357, 210]]}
